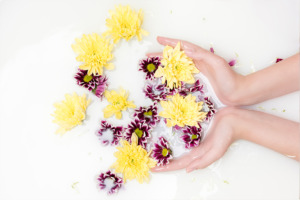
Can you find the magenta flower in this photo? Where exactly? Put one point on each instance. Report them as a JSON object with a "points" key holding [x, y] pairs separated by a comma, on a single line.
{"points": [[149, 66], [141, 129], [209, 108], [192, 136], [110, 134], [87, 81], [107, 179], [147, 114], [162, 152], [101, 87], [156, 92]]}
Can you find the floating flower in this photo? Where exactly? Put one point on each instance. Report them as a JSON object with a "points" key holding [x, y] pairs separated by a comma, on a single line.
{"points": [[125, 23], [176, 67], [192, 136], [278, 60], [94, 51], [101, 87], [182, 111], [110, 134], [133, 161], [156, 92], [70, 112], [147, 114], [88, 81], [162, 152], [149, 66], [118, 104], [141, 129], [110, 181], [209, 107]]}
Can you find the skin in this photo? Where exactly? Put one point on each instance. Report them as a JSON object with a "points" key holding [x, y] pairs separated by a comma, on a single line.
{"points": [[233, 123]]}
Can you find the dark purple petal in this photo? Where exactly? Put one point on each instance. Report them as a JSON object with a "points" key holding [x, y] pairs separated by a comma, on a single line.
{"points": [[156, 92], [278, 60], [162, 152], [149, 66], [141, 129], [192, 136], [232, 63], [148, 114], [101, 87], [116, 131], [211, 109], [212, 50], [117, 181]]}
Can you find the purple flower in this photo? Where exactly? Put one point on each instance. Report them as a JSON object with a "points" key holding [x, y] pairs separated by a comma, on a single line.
{"points": [[212, 50], [162, 152], [95, 83], [141, 129], [149, 66], [278, 60], [110, 134], [147, 114], [156, 92], [232, 63], [109, 178], [192, 136], [87, 81], [101, 86], [209, 108]]}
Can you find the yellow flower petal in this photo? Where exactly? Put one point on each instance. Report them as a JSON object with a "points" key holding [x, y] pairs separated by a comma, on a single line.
{"points": [[118, 104], [124, 23], [70, 112], [176, 67], [94, 51], [182, 111], [133, 161]]}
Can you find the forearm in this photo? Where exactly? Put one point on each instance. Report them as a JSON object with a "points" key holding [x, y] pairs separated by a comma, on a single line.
{"points": [[273, 132], [277, 80]]}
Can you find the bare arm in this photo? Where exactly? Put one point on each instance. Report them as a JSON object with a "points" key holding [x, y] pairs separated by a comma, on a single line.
{"points": [[234, 89], [231, 124], [277, 80]]}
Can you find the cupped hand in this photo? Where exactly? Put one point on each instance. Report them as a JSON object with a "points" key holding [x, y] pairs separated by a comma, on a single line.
{"points": [[215, 144], [223, 79]]}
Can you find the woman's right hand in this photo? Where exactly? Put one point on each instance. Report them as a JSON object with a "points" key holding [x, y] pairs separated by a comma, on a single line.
{"points": [[223, 79]]}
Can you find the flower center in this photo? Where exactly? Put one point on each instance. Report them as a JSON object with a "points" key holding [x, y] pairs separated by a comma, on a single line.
{"points": [[138, 132], [87, 78], [148, 114], [165, 152], [151, 67], [194, 137]]}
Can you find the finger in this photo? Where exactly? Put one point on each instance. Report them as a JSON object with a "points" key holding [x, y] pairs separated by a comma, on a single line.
{"points": [[180, 163], [173, 42], [183, 161], [155, 54], [204, 161], [191, 50]]}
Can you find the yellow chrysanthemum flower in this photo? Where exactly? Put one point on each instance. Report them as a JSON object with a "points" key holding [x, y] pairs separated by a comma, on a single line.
{"points": [[118, 104], [125, 23], [70, 112], [95, 53], [182, 111], [176, 67], [133, 161]]}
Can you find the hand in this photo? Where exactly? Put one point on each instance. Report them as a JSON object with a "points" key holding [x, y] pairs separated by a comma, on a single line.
{"points": [[223, 79], [221, 135]]}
